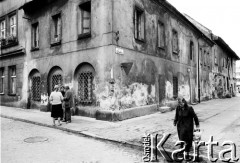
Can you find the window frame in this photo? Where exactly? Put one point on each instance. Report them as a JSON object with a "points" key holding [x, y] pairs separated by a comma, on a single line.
{"points": [[3, 29], [191, 52], [161, 34], [56, 23], [35, 35], [139, 28], [175, 51], [2, 77], [14, 25], [175, 87], [80, 22], [12, 76], [215, 57]]}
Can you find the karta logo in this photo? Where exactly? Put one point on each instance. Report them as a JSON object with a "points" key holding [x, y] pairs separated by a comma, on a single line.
{"points": [[150, 143]]}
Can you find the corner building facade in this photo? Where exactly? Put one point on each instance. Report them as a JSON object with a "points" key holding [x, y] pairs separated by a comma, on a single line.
{"points": [[113, 54]]}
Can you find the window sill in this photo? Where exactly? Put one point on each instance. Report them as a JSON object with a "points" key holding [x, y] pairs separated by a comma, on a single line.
{"points": [[2, 93], [140, 40], [161, 48], [84, 35], [10, 44], [34, 49], [175, 52], [56, 43], [12, 94]]}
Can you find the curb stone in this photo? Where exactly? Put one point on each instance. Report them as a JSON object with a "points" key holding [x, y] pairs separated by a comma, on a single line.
{"points": [[93, 136]]}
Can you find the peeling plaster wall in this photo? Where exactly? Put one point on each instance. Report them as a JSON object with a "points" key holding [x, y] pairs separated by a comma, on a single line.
{"points": [[167, 64]]}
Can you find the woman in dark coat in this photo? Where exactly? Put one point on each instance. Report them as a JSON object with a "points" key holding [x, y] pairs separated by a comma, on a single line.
{"points": [[184, 120]]}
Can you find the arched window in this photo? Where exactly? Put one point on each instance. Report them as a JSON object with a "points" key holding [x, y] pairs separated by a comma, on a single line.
{"points": [[55, 78], [84, 76], [35, 85]]}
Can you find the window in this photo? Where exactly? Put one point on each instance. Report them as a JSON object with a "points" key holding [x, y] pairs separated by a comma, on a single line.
{"points": [[13, 26], [85, 18], [36, 92], [201, 56], [226, 62], [12, 77], [56, 28], [161, 38], [191, 50], [175, 87], [215, 57], [1, 80], [205, 58], [223, 60], [139, 21], [3, 29], [208, 59], [175, 41], [85, 83], [35, 36]]}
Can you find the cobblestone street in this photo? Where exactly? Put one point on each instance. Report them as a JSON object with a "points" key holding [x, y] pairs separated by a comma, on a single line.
{"points": [[57, 146], [219, 118]]}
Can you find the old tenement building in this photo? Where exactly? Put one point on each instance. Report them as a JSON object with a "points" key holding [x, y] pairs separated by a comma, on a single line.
{"points": [[113, 54]]}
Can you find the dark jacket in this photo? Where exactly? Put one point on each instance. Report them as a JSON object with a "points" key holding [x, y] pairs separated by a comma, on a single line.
{"points": [[184, 121], [68, 99]]}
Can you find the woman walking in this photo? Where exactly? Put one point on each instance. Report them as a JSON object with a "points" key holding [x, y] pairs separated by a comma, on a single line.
{"points": [[184, 120], [56, 99]]}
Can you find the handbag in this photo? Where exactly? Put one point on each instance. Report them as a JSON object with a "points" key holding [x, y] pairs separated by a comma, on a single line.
{"points": [[197, 133]]}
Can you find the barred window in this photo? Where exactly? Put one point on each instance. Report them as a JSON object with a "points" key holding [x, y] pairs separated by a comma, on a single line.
{"points": [[175, 87], [56, 80], [12, 83], [2, 80], [85, 80], [36, 92]]}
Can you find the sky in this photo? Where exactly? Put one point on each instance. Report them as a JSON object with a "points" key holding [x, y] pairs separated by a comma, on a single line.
{"points": [[220, 16]]}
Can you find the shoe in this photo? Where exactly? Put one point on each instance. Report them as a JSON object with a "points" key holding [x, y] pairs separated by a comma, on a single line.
{"points": [[59, 124], [54, 125]]}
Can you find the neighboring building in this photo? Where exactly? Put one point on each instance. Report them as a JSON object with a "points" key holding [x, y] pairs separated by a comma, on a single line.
{"points": [[113, 54], [238, 76], [222, 66], [12, 52]]}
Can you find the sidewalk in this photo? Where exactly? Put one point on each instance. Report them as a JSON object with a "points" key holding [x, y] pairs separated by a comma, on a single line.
{"points": [[130, 131]]}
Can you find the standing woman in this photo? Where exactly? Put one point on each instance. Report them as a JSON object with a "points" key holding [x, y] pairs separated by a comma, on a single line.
{"points": [[68, 104], [184, 120], [56, 99]]}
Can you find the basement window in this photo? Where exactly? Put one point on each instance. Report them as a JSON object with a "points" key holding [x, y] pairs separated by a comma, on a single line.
{"points": [[84, 22], [139, 23]]}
